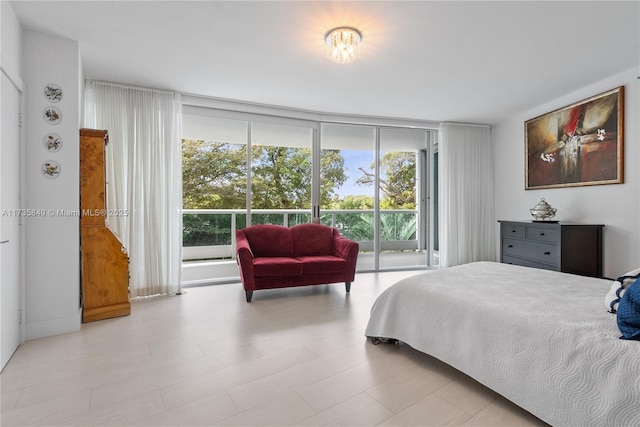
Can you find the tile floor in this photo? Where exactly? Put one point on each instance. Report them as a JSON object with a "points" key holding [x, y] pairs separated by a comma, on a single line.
{"points": [[207, 358]]}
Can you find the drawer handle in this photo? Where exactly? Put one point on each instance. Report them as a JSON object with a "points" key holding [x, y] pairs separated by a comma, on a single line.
{"points": [[547, 253], [542, 234], [510, 246], [513, 231]]}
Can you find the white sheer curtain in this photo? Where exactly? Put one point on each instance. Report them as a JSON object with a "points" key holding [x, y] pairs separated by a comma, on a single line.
{"points": [[144, 176], [465, 165]]}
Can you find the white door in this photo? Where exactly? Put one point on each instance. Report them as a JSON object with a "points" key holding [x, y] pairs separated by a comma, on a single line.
{"points": [[9, 229]]}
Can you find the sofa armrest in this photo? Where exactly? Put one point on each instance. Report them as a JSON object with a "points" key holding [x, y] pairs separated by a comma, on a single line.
{"points": [[244, 258], [345, 248], [348, 250]]}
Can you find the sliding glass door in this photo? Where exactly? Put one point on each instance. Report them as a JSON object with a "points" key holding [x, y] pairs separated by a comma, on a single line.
{"points": [[281, 178], [381, 201], [402, 241], [214, 189], [351, 206], [240, 169]]}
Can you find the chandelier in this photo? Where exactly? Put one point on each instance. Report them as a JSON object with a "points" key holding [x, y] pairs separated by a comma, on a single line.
{"points": [[343, 44]]}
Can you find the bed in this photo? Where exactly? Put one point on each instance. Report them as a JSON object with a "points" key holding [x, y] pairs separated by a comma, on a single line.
{"points": [[540, 338]]}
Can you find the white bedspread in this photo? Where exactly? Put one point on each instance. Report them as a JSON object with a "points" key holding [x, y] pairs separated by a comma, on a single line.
{"points": [[540, 338]]}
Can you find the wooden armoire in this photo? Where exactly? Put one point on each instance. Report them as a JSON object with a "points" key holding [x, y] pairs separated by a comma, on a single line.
{"points": [[105, 264]]}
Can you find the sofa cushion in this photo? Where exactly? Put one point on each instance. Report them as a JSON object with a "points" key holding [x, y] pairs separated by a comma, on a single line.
{"points": [[276, 266], [312, 239], [268, 240], [322, 264]]}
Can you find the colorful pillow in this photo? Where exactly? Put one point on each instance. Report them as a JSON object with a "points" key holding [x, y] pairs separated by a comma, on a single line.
{"points": [[629, 313], [618, 288]]}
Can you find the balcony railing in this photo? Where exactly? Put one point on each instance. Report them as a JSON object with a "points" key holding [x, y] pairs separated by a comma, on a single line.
{"points": [[210, 233]]}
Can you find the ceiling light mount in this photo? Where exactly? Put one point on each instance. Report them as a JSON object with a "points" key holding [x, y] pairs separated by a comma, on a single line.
{"points": [[343, 44]]}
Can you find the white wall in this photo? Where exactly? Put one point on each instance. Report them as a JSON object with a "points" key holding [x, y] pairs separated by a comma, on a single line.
{"points": [[11, 47], [616, 206], [52, 239]]}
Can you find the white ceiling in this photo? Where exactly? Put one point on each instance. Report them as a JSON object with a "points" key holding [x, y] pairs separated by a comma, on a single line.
{"points": [[473, 61]]}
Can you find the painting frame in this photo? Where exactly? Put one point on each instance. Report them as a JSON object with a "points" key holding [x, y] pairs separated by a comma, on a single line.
{"points": [[580, 144]]}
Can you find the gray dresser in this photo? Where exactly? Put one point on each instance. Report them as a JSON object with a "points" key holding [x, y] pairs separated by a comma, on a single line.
{"points": [[570, 248]]}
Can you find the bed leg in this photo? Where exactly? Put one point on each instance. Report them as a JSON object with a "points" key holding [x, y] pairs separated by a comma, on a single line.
{"points": [[249, 295], [347, 286]]}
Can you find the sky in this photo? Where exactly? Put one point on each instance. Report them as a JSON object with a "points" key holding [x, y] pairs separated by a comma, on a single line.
{"points": [[352, 161]]}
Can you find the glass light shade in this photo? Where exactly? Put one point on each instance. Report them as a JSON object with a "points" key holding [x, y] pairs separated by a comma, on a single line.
{"points": [[343, 44]]}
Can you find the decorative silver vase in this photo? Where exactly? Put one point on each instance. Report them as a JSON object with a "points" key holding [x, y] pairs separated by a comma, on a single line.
{"points": [[543, 211]]}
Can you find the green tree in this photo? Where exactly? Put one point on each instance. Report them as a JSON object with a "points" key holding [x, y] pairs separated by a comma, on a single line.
{"points": [[281, 177], [278, 178], [332, 175], [213, 175], [353, 202], [397, 180]]}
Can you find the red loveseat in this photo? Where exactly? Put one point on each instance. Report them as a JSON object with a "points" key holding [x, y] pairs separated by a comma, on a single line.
{"points": [[273, 256]]}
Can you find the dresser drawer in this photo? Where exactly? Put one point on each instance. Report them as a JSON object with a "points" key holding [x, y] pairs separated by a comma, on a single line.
{"points": [[527, 263], [544, 253], [567, 247], [543, 234], [509, 230]]}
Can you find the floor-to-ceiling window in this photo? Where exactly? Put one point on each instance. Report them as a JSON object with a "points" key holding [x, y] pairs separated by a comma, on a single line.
{"points": [[214, 184], [239, 169], [281, 174], [402, 237], [352, 204], [382, 196]]}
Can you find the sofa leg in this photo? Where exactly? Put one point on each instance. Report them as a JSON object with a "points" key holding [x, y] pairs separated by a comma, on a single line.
{"points": [[249, 295], [347, 285]]}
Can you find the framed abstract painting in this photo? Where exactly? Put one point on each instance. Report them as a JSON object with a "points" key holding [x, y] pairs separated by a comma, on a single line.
{"points": [[580, 144]]}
